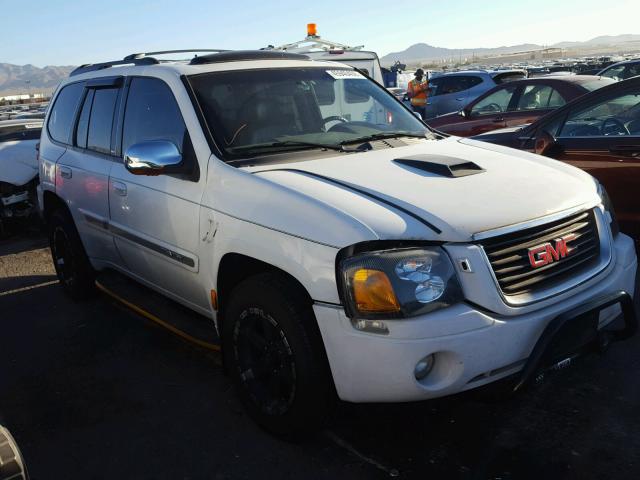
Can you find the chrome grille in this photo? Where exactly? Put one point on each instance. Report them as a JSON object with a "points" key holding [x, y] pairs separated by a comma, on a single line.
{"points": [[511, 264]]}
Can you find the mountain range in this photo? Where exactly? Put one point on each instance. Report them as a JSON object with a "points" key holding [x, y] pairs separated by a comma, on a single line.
{"points": [[28, 78], [421, 52]]}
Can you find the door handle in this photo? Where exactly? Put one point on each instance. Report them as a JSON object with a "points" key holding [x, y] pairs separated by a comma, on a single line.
{"points": [[120, 188], [626, 150], [498, 120], [65, 172], [460, 99]]}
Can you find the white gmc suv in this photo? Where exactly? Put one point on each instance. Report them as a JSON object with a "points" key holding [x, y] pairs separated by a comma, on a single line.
{"points": [[342, 248]]}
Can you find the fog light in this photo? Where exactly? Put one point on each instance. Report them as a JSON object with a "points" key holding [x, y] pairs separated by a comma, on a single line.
{"points": [[424, 366]]}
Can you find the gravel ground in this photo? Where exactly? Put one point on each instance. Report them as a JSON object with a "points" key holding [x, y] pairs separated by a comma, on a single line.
{"points": [[91, 390]]}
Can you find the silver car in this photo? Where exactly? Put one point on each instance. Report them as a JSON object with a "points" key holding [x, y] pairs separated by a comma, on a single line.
{"points": [[451, 91]]}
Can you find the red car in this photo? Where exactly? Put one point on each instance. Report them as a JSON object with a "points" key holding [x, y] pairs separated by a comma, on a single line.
{"points": [[516, 103]]}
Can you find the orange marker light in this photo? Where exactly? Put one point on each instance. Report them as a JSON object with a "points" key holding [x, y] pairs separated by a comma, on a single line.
{"points": [[311, 30], [214, 300], [373, 292]]}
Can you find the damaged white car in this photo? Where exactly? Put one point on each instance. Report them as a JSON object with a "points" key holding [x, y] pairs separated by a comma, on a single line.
{"points": [[18, 169]]}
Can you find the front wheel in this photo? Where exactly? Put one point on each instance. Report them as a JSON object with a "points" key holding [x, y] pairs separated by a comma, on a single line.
{"points": [[274, 354]]}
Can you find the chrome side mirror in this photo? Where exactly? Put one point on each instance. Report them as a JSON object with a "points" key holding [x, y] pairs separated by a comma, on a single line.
{"points": [[152, 158]]}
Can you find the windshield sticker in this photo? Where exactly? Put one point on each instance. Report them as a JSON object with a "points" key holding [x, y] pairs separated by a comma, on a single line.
{"points": [[340, 74]]}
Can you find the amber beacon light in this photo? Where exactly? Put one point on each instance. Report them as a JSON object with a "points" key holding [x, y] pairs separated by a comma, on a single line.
{"points": [[312, 30]]}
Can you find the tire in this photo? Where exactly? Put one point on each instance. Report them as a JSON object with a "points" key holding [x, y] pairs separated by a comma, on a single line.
{"points": [[274, 354], [11, 462], [75, 273]]}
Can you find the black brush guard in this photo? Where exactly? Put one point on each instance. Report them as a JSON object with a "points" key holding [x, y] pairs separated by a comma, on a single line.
{"points": [[575, 333]]}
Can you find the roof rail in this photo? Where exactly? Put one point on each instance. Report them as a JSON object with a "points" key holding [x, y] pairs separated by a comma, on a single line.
{"points": [[91, 67], [137, 56], [240, 55], [145, 58]]}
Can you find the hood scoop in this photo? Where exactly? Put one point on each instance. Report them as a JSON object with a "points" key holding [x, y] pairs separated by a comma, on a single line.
{"points": [[441, 165]]}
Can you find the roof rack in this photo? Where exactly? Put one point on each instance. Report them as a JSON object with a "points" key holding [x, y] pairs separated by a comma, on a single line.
{"points": [[145, 58], [240, 55]]}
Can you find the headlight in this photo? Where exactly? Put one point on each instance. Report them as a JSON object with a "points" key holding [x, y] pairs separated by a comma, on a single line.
{"points": [[608, 207], [398, 283]]}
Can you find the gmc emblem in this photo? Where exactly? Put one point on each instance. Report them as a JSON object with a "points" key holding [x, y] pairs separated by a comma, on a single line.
{"points": [[546, 253]]}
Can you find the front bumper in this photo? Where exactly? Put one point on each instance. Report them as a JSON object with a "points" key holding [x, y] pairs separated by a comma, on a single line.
{"points": [[472, 347]]}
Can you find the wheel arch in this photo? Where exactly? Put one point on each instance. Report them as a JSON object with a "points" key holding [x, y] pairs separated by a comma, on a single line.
{"points": [[236, 267]]}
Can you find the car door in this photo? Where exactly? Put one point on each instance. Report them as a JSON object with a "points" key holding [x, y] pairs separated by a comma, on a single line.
{"points": [[603, 137], [433, 96], [489, 111], [82, 172], [155, 219]]}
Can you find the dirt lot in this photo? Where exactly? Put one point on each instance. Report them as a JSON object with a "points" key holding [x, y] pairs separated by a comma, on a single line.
{"points": [[92, 390]]}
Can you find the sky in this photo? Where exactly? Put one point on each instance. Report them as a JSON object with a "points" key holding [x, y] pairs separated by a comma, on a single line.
{"points": [[72, 32]]}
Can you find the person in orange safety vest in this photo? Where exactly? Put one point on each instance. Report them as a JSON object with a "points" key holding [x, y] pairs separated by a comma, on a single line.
{"points": [[417, 92]]}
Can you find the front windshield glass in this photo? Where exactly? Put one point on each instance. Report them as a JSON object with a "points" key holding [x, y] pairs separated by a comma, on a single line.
{"points": [[252, 112]]}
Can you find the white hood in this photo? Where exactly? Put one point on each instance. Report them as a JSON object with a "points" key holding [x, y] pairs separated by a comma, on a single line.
{"points": [[18, 162], [515, 187]]}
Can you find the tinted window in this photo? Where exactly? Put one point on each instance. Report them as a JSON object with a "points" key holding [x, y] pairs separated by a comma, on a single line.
{"points": [[152, 114], [537, 97], [63, 111], [495, 103], [435, 86], [460, 83], [615, 116], [354, 92], [614, 72], [83, 121], [325, 93], [101, 120]]}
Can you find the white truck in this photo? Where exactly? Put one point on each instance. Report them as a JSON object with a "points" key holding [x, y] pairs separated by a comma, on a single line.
{"points": [[338, 256]]}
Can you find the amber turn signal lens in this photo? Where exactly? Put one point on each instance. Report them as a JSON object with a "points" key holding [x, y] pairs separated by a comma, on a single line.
{"points": [[373, 293]]}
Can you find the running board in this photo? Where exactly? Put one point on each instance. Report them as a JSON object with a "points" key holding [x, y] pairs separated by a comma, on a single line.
{"points": [[161, 310]]}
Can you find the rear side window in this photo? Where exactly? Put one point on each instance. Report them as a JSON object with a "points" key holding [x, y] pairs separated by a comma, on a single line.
{"points": [[63, 112], [101, 120], [152, 113], [538, 97], [455, 84]]}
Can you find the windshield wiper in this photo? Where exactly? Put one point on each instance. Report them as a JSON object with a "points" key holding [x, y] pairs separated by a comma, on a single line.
{"points": [[339, 147], [383, 135]]}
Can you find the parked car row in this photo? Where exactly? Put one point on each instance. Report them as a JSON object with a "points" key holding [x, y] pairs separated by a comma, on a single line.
{"points": [[599, 133], [516, 103]]}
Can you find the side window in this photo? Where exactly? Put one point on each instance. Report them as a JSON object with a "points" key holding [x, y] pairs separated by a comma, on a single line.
{"points": [[63, 112], [101, 120], [83, 121], [537, 97], [354, 93], [455, 84], [435, 86], [615, 116], [494, 103], [556, 100], [152, 113], [325, 92], [632, 70], [614, 72]]}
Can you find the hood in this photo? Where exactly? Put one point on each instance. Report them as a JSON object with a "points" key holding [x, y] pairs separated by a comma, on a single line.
{"points": [[400, 200], [18, 162]]}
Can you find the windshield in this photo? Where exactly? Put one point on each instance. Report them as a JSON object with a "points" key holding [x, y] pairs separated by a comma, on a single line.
{"points": [[264, 111]]}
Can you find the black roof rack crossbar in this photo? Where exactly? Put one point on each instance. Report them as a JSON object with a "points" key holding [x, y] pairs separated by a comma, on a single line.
{"points": [[91, 67], [165, 52]]}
